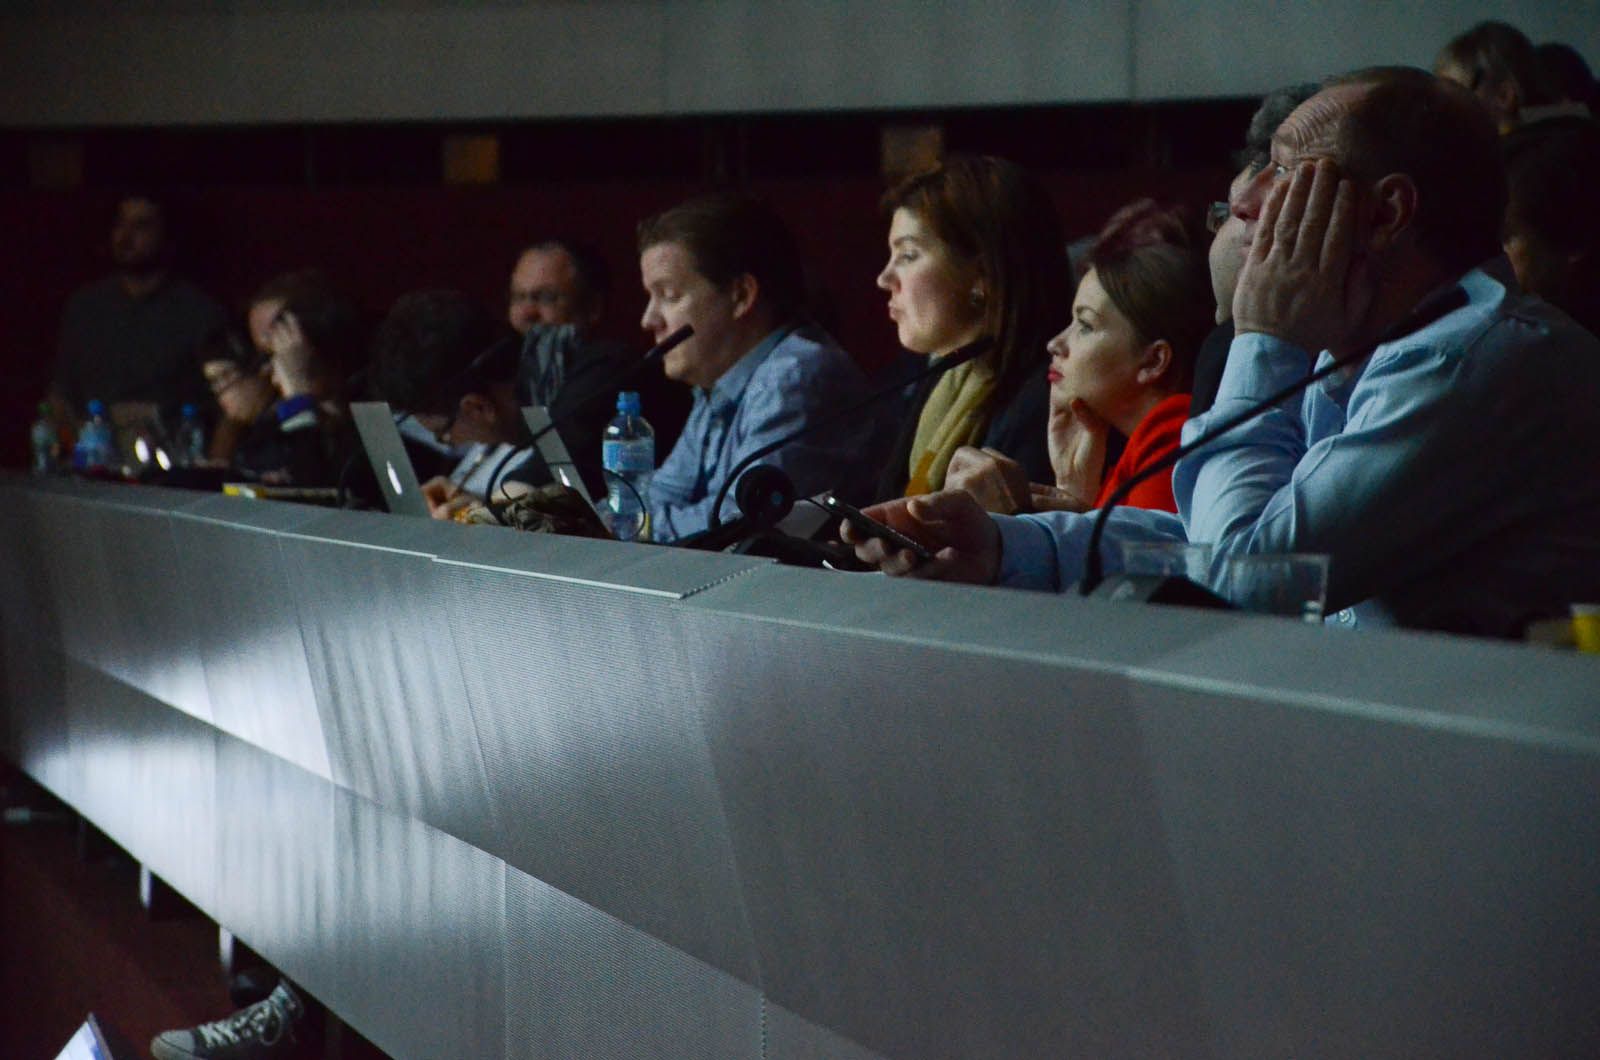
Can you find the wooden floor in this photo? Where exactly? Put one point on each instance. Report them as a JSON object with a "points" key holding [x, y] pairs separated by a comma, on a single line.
{"points": [[74, 939]]}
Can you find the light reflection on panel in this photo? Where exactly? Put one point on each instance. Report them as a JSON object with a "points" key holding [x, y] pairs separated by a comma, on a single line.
{"points": [[384, 666], [152, 629], [587, 708], [921, 891], [278, 884], [1428, 857], [419, 938], [255, 662], [581, 984], [146, 777]]}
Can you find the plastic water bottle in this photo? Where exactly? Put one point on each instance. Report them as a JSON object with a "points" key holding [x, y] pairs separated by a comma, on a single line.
{"points": [[96, 448], [190, 442], [44, 441], [628, 453]]}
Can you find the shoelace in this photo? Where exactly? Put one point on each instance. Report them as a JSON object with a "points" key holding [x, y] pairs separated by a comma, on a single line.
{"points": [[263, 1020]]}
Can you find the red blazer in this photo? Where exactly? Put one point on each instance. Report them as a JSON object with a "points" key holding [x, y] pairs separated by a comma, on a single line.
{"points": [[1156, 436]]}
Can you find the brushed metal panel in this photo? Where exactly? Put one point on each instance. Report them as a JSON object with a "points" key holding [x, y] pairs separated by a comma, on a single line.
{"points": [[588, 708], [928, 891], [382, 661], [584, 985], [278, 870], [1362, 889], [146, 776], [587, 705], [37, 728], [257, 677], [792, 1037], [150, 638], [419, 936]]}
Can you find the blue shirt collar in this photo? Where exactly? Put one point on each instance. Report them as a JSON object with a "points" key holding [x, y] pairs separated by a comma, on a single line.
{"points": [[727, 390]]}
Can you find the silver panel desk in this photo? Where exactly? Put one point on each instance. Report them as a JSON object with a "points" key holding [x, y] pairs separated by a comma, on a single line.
{"points": [[489, 794]]}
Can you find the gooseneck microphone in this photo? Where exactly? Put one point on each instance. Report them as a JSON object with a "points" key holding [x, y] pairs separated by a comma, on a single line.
{"points": [[654, 353], [1431, 308], [961, 356]]}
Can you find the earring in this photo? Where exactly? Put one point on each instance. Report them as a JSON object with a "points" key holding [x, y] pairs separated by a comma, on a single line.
{"points": [[977, 298]]}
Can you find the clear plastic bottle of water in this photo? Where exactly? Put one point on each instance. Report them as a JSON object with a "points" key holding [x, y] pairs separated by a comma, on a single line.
{"points": [[96, 448], [44, 441], [628, 453], [190, 442]]}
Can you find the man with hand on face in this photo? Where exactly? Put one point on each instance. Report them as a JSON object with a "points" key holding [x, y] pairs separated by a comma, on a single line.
{"points": [[726, 265], [1448, 472]]}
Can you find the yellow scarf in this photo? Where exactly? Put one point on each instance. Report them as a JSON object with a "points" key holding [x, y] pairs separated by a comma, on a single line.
{"points": [[953, 416]]}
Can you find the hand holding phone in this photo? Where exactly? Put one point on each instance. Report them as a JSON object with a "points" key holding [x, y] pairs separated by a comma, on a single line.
{"points": [[871, 527]]}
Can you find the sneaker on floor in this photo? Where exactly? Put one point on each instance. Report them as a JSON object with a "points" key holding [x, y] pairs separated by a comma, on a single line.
{"points": [[265, 1029]]}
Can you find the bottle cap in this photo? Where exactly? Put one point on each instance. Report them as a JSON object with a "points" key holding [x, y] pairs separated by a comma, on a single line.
{"points": [[97, 408], [628, 402], [188, 412]]}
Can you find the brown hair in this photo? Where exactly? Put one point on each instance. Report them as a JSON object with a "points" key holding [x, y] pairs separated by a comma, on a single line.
{"points": [[1145, 258], [729, 234], [995, 214], [1494, 52]]}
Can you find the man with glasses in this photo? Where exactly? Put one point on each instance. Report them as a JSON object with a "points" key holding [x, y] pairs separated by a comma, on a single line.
{"points": [[1439, 469], [1230, 239], [453, 368]]}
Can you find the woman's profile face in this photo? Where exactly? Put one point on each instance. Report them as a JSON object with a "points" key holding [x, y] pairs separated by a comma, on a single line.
{"points": [[935, 300], [1098, 357]]}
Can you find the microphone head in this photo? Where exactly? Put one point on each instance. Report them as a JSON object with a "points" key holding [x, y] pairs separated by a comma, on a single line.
{"points": [[765, 494], [666, 345]]}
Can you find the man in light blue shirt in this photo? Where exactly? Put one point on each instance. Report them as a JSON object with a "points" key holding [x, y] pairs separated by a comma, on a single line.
{"points": [[726, 265], [1449, 474]]}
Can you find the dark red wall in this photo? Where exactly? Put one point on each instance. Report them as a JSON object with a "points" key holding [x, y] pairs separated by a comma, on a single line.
{"points": [[382, 242]]}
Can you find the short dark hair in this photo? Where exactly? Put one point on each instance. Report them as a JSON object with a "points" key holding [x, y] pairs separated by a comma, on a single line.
{"points": [[995, 214], [729, 234], [1552, 175], [1494, 52], [589, 268], [1566, 73], [436, 346], [1435, 132], [1145, 258]]}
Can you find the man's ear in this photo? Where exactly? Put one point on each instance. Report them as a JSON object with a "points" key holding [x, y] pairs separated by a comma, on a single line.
{"points": [[1393, 210], [1154, 361], [745, 290]]}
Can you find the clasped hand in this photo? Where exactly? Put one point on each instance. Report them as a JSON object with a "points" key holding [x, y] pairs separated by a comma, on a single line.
{"points": [[1304, 278]]}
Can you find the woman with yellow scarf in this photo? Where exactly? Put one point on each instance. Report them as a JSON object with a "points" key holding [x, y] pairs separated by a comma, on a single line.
{"points": [[976, 255]]}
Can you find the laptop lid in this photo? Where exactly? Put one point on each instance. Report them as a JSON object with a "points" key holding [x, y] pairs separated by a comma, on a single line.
{"points": [[386, 452], [554, 450], [94, 1041]]}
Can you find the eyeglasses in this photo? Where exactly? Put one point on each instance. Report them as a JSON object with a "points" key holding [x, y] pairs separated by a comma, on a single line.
{"points": [[1216, 214]]}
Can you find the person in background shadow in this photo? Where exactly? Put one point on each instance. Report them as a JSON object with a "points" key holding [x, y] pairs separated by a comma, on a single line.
{"points": [[130, 339]]}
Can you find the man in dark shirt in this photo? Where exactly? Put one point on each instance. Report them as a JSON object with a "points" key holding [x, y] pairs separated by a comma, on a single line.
{"points": [[130, 339]]}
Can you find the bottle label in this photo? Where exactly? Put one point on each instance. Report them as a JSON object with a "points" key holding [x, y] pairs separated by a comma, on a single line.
{"points": [[628, 457]]}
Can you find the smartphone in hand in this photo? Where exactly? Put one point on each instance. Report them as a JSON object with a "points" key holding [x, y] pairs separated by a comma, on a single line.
{"points": [[873, 528]]}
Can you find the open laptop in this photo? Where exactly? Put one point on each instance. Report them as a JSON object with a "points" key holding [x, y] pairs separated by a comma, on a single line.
{"points": [[386, 452], [554, 451], [94, 1041]]}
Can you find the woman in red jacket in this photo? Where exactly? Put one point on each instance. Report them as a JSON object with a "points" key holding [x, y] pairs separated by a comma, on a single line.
{"points": [[1124, 363]]}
